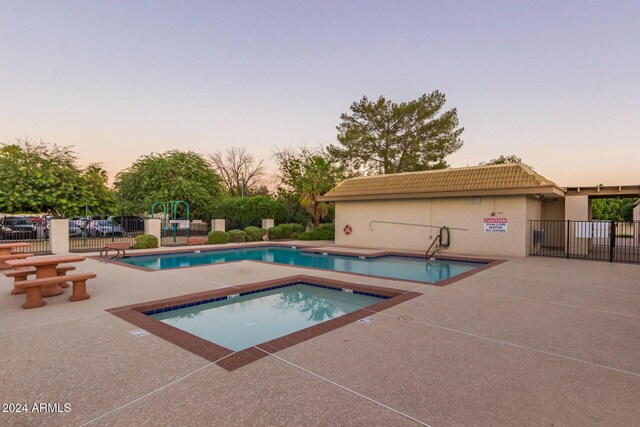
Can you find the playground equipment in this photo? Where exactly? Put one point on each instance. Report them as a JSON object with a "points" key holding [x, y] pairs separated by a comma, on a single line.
{"points": [[173, 222]]}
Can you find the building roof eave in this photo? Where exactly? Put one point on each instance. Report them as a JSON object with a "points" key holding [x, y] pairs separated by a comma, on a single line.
{"points": [[543, 190]]}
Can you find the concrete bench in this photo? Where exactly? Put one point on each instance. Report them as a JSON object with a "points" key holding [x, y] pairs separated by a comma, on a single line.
{"points": [[117, 246], [21, 274], [33, 288], [196, 240]]}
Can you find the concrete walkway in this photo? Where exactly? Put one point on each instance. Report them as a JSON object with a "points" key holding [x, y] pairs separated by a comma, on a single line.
{"points": [[533, 341]]}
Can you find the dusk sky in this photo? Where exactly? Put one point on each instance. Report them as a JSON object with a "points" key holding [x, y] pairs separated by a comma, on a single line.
{"points": [[556, 83]]}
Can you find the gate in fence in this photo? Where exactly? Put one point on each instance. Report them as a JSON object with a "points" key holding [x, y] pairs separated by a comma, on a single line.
{"points": [[176, 232], [614, 241]]}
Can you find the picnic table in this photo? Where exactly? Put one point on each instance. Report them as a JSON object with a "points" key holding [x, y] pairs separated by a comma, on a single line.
{"points": [[46, 267], [7, 252]]}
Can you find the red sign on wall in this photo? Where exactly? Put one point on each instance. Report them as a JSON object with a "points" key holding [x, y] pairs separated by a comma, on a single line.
{"points": [[495, 225]]}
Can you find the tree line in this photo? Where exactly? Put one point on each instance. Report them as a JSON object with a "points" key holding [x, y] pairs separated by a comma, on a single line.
{"points": [[375, 136]]}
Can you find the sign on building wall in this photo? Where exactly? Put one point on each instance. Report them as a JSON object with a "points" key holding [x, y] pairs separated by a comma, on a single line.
{"points": [[495, 225]]}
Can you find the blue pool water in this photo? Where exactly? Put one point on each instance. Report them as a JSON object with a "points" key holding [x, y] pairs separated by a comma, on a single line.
{"points": [[393, 267], [242, 322]]}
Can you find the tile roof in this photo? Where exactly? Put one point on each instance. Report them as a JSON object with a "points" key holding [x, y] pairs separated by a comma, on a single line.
{"points": [[513, 176]]}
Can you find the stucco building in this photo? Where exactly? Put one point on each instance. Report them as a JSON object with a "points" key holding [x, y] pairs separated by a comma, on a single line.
{"points": [[488, 210]]}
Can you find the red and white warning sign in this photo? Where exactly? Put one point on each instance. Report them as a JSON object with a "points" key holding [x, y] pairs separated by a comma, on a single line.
{"points": [[495, 225]]}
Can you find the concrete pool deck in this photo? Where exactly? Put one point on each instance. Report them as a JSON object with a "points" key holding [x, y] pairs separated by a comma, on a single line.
{"points": [[532, 341]]}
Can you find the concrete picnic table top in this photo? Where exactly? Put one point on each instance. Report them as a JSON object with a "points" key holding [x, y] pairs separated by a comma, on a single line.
{"points": [[6, 248], [45, 261]]}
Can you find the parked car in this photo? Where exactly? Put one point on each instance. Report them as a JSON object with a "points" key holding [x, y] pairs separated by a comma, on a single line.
{"points": [[17, 227], [104, 227], [130, 223], [74, 229], [79, 221], [35, 219]]}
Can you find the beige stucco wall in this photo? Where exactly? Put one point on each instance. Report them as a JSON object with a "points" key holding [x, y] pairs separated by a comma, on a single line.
{"points": [[553, 209], [459, 212], [554, 232], [577, 208], [534, 212]]}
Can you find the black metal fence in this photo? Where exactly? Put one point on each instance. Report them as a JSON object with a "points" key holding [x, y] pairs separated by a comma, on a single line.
{"points": [[22, 229], [615, 241], [90, 234], [175, 233]]}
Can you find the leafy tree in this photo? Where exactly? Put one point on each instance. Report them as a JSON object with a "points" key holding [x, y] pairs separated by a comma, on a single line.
{"points": [[240, 213], [240, 173], [309, 174], [294, 212], [99, 198], [619, 209], [173, 175], [386, 137], [503, 160], [40, 177]]}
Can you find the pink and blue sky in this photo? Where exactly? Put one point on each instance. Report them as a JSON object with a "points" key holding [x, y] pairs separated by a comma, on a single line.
{"points": [[556, 83]]}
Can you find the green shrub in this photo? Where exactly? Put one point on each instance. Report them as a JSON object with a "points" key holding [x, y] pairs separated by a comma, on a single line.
{"points": [[146, 241], [237, 236], [324, 232], [255, 234], [297, 229], [287, 230], [276, 233], [217, 237]]}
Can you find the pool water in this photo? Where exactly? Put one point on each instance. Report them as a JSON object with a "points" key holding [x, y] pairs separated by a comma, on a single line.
{"points": [[242, 322], [393, 267]]}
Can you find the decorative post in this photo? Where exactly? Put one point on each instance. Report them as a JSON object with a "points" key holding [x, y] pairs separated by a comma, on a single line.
{"points": [[59, 236]]}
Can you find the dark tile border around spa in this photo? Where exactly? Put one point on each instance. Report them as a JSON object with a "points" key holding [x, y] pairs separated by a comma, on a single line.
{"points": [[230, 360], [485, 262]]}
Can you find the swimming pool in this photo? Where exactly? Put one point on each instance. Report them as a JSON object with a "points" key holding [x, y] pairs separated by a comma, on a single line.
{"points": [[393, 267], [255, 317]]}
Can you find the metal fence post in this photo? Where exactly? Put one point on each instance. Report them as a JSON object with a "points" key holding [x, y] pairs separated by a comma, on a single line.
{"points": [[612, 240], [568, 236]]}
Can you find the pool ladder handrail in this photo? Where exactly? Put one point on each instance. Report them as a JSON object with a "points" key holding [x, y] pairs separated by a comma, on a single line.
{"points": [[428, 255]]}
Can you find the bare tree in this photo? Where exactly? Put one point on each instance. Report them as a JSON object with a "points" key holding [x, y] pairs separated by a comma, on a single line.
{"points": [[240, 172]]}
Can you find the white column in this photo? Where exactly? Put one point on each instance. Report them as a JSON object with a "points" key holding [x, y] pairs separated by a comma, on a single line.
{"points": [[59, 236], [268, 223], [218, 225], [153, 227]]}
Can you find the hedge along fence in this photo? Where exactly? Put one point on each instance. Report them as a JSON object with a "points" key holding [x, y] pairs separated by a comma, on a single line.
{"points": [[254, 234], [145, 241], [237, 236], [323, 232], [285, 231], [249, 211], [217, 237]]}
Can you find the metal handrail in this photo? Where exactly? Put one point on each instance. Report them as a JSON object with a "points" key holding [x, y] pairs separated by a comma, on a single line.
{"points": [[429, 256], [414, 225]]}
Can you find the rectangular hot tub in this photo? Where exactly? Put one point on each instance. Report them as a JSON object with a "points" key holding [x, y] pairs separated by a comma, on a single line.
{"points": [[255, 317]]}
